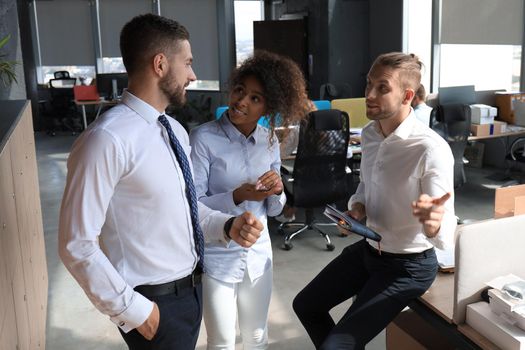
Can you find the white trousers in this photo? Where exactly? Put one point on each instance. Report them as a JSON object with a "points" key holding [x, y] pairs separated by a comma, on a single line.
{"points": [[222, 302]]}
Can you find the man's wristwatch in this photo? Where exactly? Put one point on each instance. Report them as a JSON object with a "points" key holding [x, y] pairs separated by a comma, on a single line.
{"points": [[227, 227]]}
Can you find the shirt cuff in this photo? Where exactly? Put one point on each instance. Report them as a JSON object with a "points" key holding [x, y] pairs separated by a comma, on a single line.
{"points": [[135, 315], [276, 204], [356, 198], [444, 239]]}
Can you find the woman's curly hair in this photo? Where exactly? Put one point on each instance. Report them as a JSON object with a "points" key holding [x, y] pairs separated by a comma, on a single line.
{"points": [[283, 84]]}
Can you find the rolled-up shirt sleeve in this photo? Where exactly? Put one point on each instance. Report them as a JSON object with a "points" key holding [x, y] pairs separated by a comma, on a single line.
{"points": [[275, 203], [93, 174], [358, 196], [438, 179], [201, 171]]}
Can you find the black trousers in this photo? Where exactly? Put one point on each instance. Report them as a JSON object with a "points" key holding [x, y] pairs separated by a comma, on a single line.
{"points": [[180, 320], [383, 286]]}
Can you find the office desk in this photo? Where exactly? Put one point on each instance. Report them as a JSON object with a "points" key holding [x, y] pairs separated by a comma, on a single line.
{"points": [[99, 103], [514, 130], [436, 306]]}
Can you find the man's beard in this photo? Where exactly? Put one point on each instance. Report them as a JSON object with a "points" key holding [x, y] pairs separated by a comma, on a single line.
{"points": [[175, 93]]}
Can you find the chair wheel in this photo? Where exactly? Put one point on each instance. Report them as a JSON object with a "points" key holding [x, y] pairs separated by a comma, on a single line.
{"points": [[330, 247], [287, 246]]}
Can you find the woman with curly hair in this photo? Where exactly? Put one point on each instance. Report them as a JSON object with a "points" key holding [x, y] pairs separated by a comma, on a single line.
{"points": [[236, 167]]}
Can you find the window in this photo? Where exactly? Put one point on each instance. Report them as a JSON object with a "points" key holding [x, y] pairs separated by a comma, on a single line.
{"points": [[113, 65], [246, 12], [85, 74], [487, 67], [418, 35]]}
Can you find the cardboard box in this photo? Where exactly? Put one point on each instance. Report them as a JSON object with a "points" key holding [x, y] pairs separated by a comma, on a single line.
{"points": [[494, 328], [409, 331], [488, 129], [482, 114], [506, 104], [509, 201]]}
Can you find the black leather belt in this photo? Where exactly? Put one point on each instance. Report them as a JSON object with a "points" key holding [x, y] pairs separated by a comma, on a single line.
{"points": [[175, 287], [425, 253]]}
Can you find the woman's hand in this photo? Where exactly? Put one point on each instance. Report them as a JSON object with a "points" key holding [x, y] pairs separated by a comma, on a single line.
{"points": [[270, 182]]}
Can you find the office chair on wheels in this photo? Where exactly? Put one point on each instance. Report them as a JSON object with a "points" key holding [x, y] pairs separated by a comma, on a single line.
{"points": [[452, 122], [63, 105], [515, 162], [319, 173]]}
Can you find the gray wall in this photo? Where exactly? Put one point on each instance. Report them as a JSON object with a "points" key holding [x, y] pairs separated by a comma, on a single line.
{"points": [[9, 25], [344, 37]]}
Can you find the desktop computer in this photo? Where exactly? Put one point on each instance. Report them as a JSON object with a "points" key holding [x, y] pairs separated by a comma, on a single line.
{"points": [[111, 85]]}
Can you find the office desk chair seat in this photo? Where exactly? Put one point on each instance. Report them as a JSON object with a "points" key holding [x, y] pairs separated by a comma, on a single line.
{"points": [[319, 172]]}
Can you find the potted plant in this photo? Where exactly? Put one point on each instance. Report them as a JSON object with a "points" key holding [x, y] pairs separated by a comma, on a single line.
{"points": [[7, 68]]}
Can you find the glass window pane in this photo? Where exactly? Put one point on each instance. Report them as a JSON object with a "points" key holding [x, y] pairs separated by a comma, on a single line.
{"points": [[245, 13], [85, 74], [419, 35], [113, 65], [488, 67]]}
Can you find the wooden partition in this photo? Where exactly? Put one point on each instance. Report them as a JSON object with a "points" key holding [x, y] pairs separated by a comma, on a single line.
{"points": [[23, 270]]}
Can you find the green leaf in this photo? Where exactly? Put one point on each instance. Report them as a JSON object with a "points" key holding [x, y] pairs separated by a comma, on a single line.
{"points": [[5, 40]]}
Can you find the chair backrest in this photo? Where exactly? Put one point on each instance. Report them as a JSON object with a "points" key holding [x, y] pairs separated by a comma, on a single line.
{"points": [[322, 104], [61, 91], [319, 169], [484, 251], [61, 74], [452, 122], [331, 91], [86, 93], [220, 110], [356, 109], [62, 83]]}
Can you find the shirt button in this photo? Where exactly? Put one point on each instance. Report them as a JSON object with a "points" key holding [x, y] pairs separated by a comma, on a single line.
{"points": [[122, 324]]}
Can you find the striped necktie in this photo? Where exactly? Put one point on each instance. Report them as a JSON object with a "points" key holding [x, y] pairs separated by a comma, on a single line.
{"points": [[190, 189]]}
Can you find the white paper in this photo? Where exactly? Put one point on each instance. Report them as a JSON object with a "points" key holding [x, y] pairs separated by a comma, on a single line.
{"points": [[500, 281]]}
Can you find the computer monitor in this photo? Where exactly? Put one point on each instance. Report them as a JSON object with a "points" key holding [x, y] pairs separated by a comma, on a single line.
{"points": [[111, 85], [457, 94]]}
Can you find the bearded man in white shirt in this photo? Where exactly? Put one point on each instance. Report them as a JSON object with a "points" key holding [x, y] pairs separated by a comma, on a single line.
{"points": [[130, 186], [405, 193]]}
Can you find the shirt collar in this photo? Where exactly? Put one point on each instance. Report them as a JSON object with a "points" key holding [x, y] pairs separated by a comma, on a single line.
{"points": [[142, 108], [231, 131], [404, 129]]}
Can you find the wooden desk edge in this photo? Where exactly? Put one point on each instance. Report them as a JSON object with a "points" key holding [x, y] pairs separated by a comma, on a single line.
{"points": [[476, 337], [440, 296], [505, 134]]}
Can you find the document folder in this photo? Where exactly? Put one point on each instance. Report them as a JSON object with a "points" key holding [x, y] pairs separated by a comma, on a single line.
{"points": [[350, 224]]}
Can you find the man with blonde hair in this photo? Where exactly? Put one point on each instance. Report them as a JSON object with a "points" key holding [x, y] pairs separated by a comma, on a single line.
{"points": [[405, 193]]}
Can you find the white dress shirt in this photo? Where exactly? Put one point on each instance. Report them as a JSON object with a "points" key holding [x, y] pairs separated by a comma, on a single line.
{"points": [[125, 188], [423, 111], [395, 170], [223, 159]]}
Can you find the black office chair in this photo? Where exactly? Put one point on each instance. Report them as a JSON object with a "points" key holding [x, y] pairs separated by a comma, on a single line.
{"points": [[331, 91], [515, 160], [319, 172], [62, 103], [452, 122], [61, 74]]}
